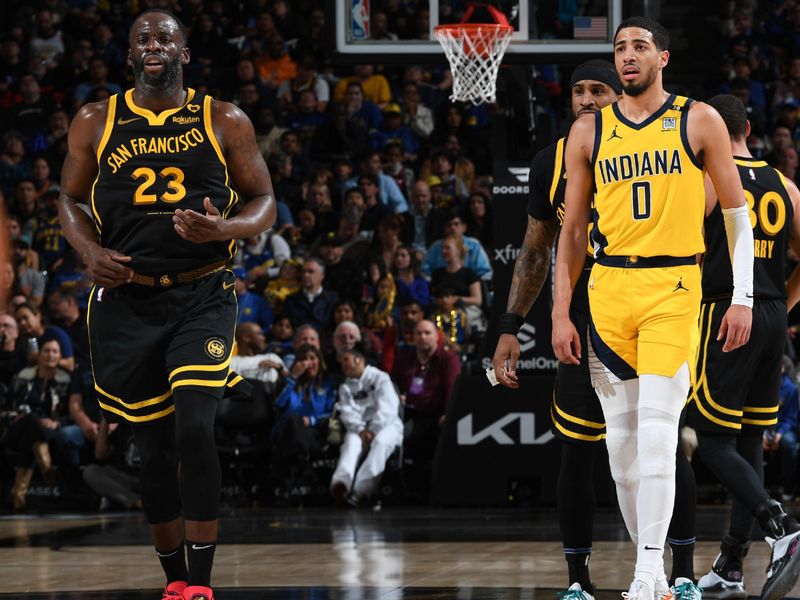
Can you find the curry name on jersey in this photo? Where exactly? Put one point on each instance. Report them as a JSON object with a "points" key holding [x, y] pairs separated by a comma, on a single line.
{"points": [[649, 184], [149, 166], [771, 215]]}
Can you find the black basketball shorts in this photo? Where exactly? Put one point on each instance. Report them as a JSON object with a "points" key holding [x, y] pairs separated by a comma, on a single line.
{"points": [[575, 410], [739, 389], [146, 343]]}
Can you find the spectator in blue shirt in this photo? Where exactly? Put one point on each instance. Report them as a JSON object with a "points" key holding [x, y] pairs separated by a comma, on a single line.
{"points": [[363, 112], [476, 258], [31, 327], [783, 439], [388, 191], [252, 307]]}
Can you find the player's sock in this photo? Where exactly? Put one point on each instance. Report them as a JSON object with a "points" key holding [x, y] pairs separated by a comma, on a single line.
{"points": [[174, 564], [578, 568], [680, 536], [661, 400], [200, 557], [682, 558], [575, 500]]}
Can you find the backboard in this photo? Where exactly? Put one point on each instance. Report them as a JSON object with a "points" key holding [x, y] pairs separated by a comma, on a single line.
{"points": [[364, 29]]}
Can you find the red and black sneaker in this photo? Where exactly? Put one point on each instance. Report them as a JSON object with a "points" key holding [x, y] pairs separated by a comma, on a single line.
{"points": [[198, 592], [174, 590]]}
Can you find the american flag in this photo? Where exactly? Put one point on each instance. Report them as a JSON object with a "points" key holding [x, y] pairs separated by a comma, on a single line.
{"points": [[590, 28]]}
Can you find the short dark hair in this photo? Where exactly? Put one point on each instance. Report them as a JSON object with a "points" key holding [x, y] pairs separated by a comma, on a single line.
{"points": [[163, 11], [732, 111], [660, 34]]}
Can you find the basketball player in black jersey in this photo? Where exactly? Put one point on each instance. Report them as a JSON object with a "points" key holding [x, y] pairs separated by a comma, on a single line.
{"points": [[736, 393], [163, 169]]}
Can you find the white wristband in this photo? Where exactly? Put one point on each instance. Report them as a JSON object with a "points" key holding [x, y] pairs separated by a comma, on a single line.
{"points": [[740, 247]]}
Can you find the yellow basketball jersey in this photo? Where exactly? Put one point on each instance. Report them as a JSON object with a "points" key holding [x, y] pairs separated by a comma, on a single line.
{"points": [[650, 199]]}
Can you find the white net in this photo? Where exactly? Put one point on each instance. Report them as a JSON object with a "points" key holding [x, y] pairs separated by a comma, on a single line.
{"points": [[475, 53]]}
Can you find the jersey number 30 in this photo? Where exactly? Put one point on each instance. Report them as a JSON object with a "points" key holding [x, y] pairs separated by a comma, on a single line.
{"points": [[769, 225], [175, 190]]}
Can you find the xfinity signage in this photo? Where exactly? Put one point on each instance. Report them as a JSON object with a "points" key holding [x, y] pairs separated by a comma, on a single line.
{"points": [[510, 219]]}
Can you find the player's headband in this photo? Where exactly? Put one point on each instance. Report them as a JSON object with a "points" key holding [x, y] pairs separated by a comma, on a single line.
{"points": [[597, 70]]}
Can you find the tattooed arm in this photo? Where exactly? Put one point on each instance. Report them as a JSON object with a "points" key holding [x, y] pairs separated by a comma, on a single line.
{"points": [[531, 266], [530, 271], [248, 172]]}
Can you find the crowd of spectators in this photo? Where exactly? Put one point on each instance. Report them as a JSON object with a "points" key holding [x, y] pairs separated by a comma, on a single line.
{"points": [[379, 252]]}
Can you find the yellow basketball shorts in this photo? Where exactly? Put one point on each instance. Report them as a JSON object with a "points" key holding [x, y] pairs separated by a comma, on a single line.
{"points": [[643, 318]]}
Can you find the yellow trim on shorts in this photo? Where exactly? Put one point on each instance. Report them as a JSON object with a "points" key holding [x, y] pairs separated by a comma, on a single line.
{"points": [[703, 380], [761, 409], [235, 380], [576, 420], [577, 436], [200, 382], [134, 405], [714, 419], [702, 370], [137, 419], [765, 423], [218, 367]]}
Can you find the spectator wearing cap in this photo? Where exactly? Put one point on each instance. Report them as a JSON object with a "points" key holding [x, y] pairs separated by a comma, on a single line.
{"points": [[312, 304], [363, 112], [475, 259], [30, 280], [343, 274], [306, 79], [394, 131], [388, 191], [253, 308], [374, 88], [369, 410]]}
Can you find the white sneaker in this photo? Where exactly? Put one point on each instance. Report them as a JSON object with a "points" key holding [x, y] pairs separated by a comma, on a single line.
{"points": [[685, 589], [639, 590], [575, 592], [717, 587], [784, 568]]}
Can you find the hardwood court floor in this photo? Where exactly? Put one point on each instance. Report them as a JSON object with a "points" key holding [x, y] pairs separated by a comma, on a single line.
{"points": [[323, 554]]}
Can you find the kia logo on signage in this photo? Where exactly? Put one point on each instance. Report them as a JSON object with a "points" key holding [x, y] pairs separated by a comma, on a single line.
{"points": [[467, 436]]}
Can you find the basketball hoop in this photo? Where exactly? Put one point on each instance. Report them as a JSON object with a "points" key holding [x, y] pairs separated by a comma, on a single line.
{"points": [[475, 51]]}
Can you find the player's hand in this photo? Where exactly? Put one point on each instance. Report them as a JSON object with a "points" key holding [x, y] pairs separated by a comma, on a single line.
{"points": [[505, 360], [735, 327], [107, 267], [566, 341], [197, 228]]}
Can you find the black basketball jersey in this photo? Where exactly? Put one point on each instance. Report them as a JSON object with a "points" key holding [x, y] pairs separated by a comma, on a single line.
{"points": [[150, 165], [547, 184], [771, 215]]}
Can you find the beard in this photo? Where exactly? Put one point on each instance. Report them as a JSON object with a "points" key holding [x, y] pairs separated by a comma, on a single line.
{"points": [[637, 89], [169, 76]]}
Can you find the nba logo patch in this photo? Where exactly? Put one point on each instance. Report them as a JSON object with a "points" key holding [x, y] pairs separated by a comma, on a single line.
{"points": [[668, 123], [100, 293]]}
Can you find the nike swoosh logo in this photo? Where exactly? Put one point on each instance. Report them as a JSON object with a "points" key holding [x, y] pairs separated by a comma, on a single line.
{"points": [[748, 295], [227, 286], [196, 547], [122, 121], [652, 548]]}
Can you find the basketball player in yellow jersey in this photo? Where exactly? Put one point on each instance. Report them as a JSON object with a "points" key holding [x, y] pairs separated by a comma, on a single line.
{"points": [[645, 156]]}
